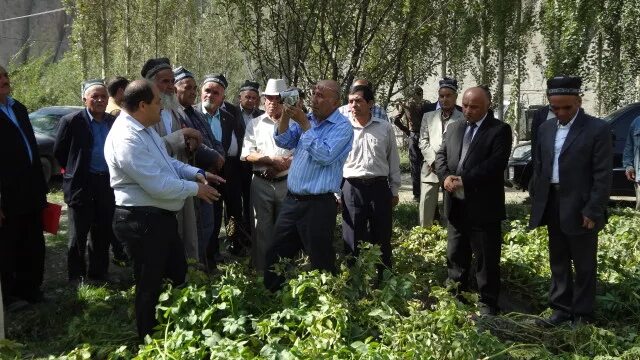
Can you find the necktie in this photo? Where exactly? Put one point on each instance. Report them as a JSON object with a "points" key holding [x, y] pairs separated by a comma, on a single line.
{"points": [[466, 141]]}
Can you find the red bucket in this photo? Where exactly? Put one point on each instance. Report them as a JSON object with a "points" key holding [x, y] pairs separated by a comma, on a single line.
{"points": [[51, 218]]}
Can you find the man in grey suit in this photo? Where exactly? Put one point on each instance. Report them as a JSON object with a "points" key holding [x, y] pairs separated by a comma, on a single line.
{"points": [[433, 125], [572, 181]]}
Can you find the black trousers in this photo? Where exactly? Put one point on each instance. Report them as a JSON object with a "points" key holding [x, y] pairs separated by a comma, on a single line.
{"points": [[231, 193], [484, 242], [247, 212], [150, 236], [95, 217], [415, 160], [366, 216], [571, 292], [22, 253], [304, 222]]}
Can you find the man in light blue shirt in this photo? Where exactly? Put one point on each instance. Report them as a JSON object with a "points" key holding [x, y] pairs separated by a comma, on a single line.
{"points": [[150, 187], [322, 141]]}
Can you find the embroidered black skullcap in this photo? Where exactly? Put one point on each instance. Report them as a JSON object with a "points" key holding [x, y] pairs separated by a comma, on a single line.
{"points": [[217, 78], [250, 85], [90, 83], [153, 66], [181, 73], [564, 85], [449, 83]]}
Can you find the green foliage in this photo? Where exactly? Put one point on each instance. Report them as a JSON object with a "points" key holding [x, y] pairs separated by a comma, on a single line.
{"points": [[39, 82], [411, 314]]}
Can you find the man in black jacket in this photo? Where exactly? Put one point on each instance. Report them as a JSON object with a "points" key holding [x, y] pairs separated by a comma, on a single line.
{"points": [[570, 191], [22, 197], [470, 164], [79, 148], [209, 156], [228, 129]]}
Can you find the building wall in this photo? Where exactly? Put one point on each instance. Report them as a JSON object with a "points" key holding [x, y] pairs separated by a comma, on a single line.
{"points": [[28, 37]]}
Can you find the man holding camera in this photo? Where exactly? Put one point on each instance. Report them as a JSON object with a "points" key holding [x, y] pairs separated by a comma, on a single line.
{"points": [[270, 167], [322, 141]]}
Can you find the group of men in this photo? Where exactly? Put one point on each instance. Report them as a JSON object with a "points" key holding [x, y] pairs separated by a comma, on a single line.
{"points": [[154, 182]]}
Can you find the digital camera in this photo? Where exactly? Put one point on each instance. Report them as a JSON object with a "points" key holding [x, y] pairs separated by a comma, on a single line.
{"points": [[289, 97]]}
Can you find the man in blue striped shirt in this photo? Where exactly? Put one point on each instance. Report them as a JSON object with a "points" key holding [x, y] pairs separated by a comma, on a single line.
{"points": [[322, 140]]}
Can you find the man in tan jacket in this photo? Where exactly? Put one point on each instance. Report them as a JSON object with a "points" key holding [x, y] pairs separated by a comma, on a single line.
{"points": [[432, 128], [179, 140]]}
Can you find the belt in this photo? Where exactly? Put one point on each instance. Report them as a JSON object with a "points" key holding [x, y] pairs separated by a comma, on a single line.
{"points": [[100, 173], [554, 187], [148, 210], [308, 197], [367, 181], [261, 174]]}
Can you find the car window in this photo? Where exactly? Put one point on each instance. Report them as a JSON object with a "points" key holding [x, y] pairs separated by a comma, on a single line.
{"points": [[44, 124], [522, 151], [621, 128]]}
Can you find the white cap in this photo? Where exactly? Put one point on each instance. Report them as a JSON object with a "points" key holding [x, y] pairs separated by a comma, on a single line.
{"points": [[274, 87]]}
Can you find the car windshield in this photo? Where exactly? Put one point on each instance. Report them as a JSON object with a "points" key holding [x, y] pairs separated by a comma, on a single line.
{"points": [[44, 123], [522, 151]]}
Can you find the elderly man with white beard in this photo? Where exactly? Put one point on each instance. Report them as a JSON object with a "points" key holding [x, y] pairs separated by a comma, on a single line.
{"points": [[179, 140]]}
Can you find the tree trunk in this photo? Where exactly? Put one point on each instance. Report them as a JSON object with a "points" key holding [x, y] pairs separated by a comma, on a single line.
{"points": [[105, 59], [127, 47]]}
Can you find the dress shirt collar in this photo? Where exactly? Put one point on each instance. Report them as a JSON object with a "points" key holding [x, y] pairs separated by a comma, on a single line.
{"points": [[135, 124], [9, 103], [479, 122], [332, 118], [355, 122], [204, 111], [560, 126]]}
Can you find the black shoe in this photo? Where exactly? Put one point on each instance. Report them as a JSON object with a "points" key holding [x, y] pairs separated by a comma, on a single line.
{"points": [[558, 317]]}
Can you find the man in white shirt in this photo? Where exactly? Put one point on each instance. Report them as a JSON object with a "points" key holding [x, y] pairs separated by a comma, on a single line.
{"points": [[270, 167], [150, 187], [371, 178]]}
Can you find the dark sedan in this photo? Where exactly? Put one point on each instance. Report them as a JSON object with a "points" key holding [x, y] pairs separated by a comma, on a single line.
{"points": [[45, 126], [520, 170]]}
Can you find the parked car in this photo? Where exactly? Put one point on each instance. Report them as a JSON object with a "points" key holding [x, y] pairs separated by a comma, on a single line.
{"points": [[45, 123], [520, 169]]}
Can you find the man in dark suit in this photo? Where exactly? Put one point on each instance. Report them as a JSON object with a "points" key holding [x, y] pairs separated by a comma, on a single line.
{"points": [[228, 129], [249, 109], [79, 148], [470, 164], [572, 181], [209, 156], [22, 198]]}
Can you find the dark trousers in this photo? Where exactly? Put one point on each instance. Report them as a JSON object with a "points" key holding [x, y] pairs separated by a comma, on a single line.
{"points": [[484, 242], [231, 193], [303, 223], [573, 293], [95, 217], [247, 211], [22, 252], [366, 216], [415, 160], [151, 239]]}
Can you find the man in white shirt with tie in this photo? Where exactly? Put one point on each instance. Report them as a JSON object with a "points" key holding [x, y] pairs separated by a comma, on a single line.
{"points": [[150, 187]]}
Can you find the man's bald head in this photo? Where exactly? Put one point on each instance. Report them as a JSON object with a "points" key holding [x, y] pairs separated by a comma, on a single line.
{"points": [[475, 104], [325, 98]]}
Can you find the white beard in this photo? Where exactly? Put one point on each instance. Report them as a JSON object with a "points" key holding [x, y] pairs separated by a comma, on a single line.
{"points": [[170, 101]]}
